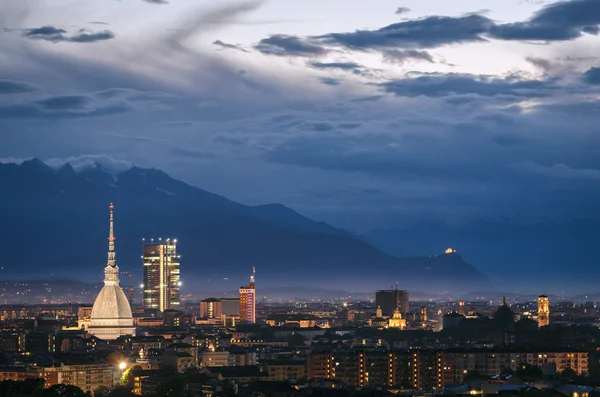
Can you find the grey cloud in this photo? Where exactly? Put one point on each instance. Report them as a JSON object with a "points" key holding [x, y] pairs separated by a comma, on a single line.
{"points": [[14, 87], [284, 45], [91, 161], [430, 32], [64, 102], [559, 171], [55, 35], [563, 20], [330, 81], [156, 1], [402, 10], [223, 45], [441, 85], [103, 103], [592, 76], [401, 56], [194, 153], [335, 65], [541, 63]]}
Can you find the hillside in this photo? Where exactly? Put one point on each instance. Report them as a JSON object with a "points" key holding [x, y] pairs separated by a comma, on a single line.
{"points": [[55, 223]]}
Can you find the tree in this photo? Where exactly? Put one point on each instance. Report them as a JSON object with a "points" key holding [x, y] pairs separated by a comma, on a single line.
{"points": [[121, 391], [568, 373], [529, 371], [102, 391], [173, 387], [61, 390], [473, 376], [127, 378]]}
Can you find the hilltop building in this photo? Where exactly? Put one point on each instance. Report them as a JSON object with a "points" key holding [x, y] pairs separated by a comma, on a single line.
{"points": [[111, 314]]}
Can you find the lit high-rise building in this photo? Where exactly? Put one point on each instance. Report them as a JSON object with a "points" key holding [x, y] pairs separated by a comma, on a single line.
{"points": [[210, 308], [392, 299], [248, 301], [543, 311], [162, 281]]}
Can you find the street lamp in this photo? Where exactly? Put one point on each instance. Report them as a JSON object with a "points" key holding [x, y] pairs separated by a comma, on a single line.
{"points": [[122, 366]]}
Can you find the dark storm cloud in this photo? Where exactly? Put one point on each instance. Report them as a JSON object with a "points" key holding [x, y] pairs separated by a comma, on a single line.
{"points": [[284, 45], [592, 76], [565, 20], [441, 85], [430, 32], [56, 35], [224, 46], [401, 56], [402, 10], [14, 87]]}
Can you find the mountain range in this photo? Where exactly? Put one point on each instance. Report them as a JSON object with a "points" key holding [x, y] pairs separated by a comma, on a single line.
{"points": [[55, 223]]}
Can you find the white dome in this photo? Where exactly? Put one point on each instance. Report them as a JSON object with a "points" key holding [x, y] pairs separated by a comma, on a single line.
{"points": [[111, 305], [111, 315]]}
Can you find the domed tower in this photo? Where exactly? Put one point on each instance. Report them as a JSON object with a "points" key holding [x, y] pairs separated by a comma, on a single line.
{"points": [[111, 315]]}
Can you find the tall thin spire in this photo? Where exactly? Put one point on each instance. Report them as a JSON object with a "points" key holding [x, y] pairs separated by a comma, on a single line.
{"points": [[111, 240], [252, 277]]}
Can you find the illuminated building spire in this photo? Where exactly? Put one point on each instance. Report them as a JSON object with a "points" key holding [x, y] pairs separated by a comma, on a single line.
{"points": [[252, 277], [111, 240]]}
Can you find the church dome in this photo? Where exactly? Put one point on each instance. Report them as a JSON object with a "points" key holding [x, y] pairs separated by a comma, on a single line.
{"points": [[111, 314], [111, 304]]}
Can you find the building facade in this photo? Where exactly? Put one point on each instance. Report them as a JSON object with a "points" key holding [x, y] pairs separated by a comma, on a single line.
{"points": [[543, 311], [211, 308], [248, 302], [162, 282], [390, 300]]}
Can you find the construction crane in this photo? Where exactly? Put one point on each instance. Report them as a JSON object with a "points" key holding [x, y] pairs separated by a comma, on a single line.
{"points": [[130, 295]]}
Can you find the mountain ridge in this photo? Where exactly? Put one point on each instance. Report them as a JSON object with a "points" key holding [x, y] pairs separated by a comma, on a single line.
{"points": [[62, 212]]}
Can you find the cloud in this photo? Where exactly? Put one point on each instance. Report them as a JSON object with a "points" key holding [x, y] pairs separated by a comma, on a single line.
{"points": [[559, 171], [102, 103], [560, 21], [429, 32], [402, 10], [592, 76], [91, 161], [284, 45], [442, 85], [330, 81], [55, 35], [194, 153], [229, 46], [156, 1], [345, 66], [14, 87], [401, 56]]}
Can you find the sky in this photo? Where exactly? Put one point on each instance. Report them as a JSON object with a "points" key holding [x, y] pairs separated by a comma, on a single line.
{"points": [[362, 114]]}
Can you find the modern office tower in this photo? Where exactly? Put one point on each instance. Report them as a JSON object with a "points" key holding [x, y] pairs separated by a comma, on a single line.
{"points": [[543, 311], [230, 307], [248, 301], [390, 300], [211, 308], [162, 281]]}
